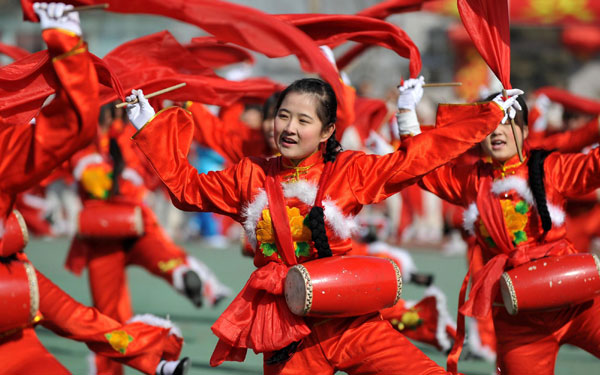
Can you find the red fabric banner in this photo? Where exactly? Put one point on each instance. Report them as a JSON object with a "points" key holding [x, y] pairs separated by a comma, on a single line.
{"points": [[335, 29], [487, 25], [570, 101], [214, 54], [157, 61], [244, 26], [13, 52], [385, 9], [370, 114]]}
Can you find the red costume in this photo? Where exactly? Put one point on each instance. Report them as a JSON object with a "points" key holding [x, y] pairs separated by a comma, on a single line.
{"points": [[105, 258], [259, 318], [30, 152], [501, 212]]}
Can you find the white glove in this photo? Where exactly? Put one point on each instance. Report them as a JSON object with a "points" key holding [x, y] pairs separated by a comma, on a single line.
{"points": [[378, 145], [542, 103], [239, 73], [140, 112], [52, 16], [411, 93], [510, 105]]}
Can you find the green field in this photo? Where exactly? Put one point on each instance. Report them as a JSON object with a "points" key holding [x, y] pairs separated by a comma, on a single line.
{"points": [[152, 295]]}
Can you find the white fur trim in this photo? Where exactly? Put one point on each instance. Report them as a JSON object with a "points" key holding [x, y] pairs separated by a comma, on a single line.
{"points": [[303, 190], [91, 360], [515, 183], [443, 317], [252, 213], [132, 176], [177, 277], [35, 201], [156, 321], [475, 345], [84, 162], [343, 226], [518, 184], [405, 259], [470, 215], [213, 288]]}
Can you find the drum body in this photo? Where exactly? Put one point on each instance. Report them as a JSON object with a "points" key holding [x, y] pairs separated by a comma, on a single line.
{"points": [[109, 220], [551, 282], [19, 296], [15, 236], [342, 286]]}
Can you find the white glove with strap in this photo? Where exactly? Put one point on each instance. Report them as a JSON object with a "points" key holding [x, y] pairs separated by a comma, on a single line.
{"points": [[141, 112], [411, 93], [510, 105], [542, 104], [52, 16]]}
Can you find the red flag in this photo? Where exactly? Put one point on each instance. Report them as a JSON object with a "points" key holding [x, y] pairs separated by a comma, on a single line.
{"points": [[13, 52], [214, 54], [333, 30], [244, 26], [570, 101], [488, 26]]}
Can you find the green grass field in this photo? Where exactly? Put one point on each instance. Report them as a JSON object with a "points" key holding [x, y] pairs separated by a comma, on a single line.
{"points": [[152, 295]]}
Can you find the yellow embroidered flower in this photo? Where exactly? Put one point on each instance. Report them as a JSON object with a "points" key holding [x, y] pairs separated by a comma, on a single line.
{"points": [[166, 266], [411, 319], [515, 221], [264, 229], [119, 340], [300, 232]]}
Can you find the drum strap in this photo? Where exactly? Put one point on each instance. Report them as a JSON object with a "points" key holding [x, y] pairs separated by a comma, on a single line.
{"points": [[280, 219]]}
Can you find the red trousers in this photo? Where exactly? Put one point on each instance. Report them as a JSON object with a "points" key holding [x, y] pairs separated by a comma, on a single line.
{"points": [[361, 345], [528, 342], [108, 281], [23, 353]]}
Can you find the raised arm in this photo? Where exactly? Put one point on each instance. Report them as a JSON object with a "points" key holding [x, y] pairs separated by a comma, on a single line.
{"points": [[570, 141], [573, 174], [165, 139]]}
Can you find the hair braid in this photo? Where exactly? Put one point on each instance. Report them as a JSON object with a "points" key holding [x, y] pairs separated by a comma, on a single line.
{"points": [[536, 182]]}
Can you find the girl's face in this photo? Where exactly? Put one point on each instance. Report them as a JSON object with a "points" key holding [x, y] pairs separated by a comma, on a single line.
{"points": [[500, 144], [298, 129]]}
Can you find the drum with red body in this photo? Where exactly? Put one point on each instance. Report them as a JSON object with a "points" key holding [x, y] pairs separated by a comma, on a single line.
{"points": [[342, 286], [551, 282], [109, 220], [15, 236], [19, 296]]}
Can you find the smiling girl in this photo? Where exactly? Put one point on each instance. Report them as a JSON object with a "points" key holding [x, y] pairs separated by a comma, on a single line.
{"points": [[311, 165]]}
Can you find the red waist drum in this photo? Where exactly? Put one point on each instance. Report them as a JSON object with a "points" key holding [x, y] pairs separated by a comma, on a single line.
{"points": [[109, 220], [15, 235], [551, 282], [19, 296], [342, 286]]}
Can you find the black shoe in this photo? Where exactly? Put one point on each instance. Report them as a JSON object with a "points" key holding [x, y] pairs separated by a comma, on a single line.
{"points": [[193, 287], [183, 367], [423, 279]]}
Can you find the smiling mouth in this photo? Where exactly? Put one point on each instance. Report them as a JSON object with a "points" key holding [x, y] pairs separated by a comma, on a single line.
{"points": [[498, 144], [288, 141]]}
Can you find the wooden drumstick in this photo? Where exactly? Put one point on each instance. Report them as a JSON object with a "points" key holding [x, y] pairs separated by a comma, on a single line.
{"points": [[152, 95], [442, 84], [513, 126], [84, 8]]}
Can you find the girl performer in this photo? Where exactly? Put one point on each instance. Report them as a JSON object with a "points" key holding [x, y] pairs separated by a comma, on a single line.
{"points": [[516, 211], [319, 188]]}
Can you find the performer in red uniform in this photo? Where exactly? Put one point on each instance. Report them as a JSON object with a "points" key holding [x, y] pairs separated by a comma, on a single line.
{"points": [[31, 152], [516, 211], [259, 318]]}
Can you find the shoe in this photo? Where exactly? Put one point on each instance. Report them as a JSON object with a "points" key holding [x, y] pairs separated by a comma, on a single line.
{"points": [[183, 367], [193, 287], [423, 279]]}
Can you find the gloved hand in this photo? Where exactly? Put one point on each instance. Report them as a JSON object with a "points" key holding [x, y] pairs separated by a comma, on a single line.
{"points": [[411, 93], [542, 106], [510, 104], [378, 145], [140, 112], [96, 180], [52, 16], [329, 54]]}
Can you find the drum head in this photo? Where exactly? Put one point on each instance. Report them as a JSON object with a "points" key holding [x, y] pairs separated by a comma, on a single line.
{"points": [[298, 291]]}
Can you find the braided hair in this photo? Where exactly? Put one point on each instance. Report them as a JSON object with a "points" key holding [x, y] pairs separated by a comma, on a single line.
{"points": [[536, 183], [326, 111]]}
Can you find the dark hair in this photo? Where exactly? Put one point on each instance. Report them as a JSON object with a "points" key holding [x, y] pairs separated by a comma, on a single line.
{"points": [[522, 117], [326, 108], [535, 165], [268, 109]]}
